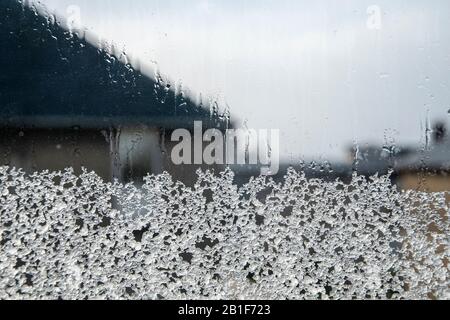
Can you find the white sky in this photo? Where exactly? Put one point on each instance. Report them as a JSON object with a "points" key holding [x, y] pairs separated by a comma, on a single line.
{"points": [[313, 70]]}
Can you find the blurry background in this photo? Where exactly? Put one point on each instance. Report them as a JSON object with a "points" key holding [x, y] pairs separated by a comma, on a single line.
{"points": [[353, 83], [327, 73]]}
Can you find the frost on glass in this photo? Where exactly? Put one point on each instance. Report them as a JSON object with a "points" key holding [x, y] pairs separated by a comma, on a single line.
{"points": [[76, 237]]}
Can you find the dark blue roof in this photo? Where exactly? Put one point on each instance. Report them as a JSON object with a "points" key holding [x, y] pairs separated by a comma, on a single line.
{"points": [[52, 78]]}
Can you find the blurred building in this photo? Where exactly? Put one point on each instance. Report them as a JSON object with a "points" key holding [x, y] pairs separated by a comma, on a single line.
{"points": [[424, 168], [427, 169], [67, 102]]}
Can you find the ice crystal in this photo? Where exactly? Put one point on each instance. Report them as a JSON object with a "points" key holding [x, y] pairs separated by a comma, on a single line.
{"points": [[75, 237]]}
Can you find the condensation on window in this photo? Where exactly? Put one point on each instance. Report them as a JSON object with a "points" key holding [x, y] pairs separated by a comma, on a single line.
{"points": [[93, 207], [78, 237]]}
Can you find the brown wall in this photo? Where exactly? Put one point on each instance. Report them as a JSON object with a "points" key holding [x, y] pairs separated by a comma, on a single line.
{"points": [[424, 182], [127, 154], [55, 149]]}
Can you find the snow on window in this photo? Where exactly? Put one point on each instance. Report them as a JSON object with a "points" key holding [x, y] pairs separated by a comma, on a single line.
{"points": [[76, 237]]}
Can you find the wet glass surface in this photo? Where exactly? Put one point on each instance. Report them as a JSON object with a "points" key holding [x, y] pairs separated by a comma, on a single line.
{"points": [[287, 124]]}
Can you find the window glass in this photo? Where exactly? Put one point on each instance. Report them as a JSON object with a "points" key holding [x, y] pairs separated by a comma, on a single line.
{"points": [[285, 128]]}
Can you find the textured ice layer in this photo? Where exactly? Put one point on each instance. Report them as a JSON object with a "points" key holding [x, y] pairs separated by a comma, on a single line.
{"points": [[76, 237]]}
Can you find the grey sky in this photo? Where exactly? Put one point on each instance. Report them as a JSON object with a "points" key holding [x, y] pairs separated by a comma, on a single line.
{"points": [[313, 70]]}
